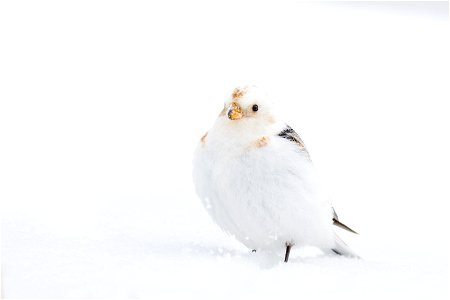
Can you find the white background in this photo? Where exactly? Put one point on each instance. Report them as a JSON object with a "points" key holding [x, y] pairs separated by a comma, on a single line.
{"points": [[103, 103]]}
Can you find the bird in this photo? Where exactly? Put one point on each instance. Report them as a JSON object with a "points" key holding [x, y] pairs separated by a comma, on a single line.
{"points": [[256, 179]]}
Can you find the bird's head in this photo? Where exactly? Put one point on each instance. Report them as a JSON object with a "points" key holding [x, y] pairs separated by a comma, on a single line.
{"points": [[248, 105]]}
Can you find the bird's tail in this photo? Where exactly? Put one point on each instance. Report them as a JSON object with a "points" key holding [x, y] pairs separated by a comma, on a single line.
{"points": [[341, 248]]}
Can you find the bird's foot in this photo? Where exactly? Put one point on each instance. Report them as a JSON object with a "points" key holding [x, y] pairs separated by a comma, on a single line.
{"points": [[288, 251]]}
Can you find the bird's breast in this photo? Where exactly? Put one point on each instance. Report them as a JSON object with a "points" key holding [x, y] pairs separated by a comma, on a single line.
{"points": [[257, 193]]}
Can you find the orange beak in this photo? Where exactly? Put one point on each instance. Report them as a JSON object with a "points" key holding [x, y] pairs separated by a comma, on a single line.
{"points": [[234, 111]]}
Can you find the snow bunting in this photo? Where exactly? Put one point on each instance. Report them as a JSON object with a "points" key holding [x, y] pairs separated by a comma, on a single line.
{"points": [[255, 178]]}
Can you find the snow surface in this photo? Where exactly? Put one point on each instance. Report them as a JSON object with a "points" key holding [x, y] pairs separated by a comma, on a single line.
{"points": [[103, 103]]}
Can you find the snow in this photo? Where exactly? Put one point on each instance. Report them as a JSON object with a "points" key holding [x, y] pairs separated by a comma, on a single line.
{"points": [[103, 103], [191, 259]]}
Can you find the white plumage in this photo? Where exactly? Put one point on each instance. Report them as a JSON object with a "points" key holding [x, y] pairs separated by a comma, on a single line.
{"points": [[257, 181]]}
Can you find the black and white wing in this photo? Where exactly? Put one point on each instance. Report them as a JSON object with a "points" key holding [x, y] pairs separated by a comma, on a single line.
{"points": [[290, 134]]}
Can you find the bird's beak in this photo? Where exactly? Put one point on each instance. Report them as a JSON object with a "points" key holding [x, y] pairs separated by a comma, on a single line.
{"points": [[234, 111]]}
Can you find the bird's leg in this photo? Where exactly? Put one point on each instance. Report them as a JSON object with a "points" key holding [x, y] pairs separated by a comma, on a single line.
{"points": [[288, 250]]}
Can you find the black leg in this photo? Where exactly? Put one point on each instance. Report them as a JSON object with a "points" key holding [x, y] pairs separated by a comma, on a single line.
{"points": [[288, 250]]}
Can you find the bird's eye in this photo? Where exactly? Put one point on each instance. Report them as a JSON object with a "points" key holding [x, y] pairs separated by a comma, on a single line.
{"points": [[255, 107]]}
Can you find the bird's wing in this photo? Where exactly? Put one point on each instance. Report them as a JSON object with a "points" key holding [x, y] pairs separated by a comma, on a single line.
{"points": [[290, 134], [337, 223]]}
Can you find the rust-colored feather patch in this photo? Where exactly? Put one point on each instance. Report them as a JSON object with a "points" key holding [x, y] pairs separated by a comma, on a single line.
{"points": [[262, 142], [237, 94], [204, 137]]}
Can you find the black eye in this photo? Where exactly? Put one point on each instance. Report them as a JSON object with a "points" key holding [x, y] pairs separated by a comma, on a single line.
{"points": [[255, 107]]}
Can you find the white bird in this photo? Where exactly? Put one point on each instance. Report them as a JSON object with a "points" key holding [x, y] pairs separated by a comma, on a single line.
{"points": [[256, 179]]}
